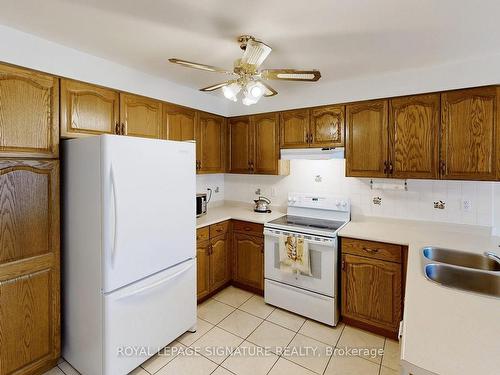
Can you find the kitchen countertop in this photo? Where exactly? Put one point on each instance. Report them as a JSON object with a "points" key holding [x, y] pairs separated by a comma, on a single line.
{"points": [[445, 331], [236, 211]]}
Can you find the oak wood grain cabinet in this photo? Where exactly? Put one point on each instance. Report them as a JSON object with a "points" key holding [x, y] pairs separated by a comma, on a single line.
{"points": [[210, 143], [372, 285], [241, 145], [29, 113], [367, 139], [29, 266], [414, 136], [326, 128], [88, 109], [178, 123], [294, 128], [469, 134], [213, 252], [248, 253], [140, 116], [254, 145]]}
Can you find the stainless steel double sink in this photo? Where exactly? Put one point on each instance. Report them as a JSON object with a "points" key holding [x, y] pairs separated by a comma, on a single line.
{"points": [[477, 273]]}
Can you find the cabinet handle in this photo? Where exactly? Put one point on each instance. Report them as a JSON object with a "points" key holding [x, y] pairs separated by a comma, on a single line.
{"points": [[122, 129], [343, 265], [385, 166], [369, 250], [442, 167], [391, 167], [310, 138], [117, 128]]}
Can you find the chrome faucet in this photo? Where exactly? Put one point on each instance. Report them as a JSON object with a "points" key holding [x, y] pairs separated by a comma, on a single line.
{"points": [[493, 256]]}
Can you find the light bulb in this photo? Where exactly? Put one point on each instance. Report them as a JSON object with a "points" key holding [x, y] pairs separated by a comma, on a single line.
{"points": [[256, 91]]}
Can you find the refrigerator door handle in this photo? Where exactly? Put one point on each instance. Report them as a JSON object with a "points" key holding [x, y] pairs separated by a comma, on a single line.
{"points": [[157, 283], [115, 215]]}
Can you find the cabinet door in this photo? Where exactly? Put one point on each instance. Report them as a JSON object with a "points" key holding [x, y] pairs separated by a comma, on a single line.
{"points": [[87, 109], [178, 123], [294, 128], [210, 140], [140, 116], [220, 272], [367, 136], [202, 269], [240, 145], [249, 260], [29, 113], [29, 266], [414, 136], [371, 291], [327, 126], [266, 141], [468, 130]]}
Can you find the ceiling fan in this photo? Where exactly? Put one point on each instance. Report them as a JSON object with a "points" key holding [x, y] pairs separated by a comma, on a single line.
{"points": [[246, 75]]}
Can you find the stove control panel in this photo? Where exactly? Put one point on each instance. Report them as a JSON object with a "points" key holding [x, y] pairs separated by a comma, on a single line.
{"points": [[319, 201]]}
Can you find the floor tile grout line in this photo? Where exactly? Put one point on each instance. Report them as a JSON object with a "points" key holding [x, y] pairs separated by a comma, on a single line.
{"points": [[334, 347]]}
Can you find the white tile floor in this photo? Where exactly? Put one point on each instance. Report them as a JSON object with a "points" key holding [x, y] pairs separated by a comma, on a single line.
{"points": [[241, 322]]}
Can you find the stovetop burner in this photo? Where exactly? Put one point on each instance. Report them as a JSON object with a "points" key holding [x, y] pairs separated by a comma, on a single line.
{"points": [[306, 222]]}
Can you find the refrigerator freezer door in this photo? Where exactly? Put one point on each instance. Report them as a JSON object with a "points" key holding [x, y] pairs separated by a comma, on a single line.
{"points": [[142, 318], [149, 208]]}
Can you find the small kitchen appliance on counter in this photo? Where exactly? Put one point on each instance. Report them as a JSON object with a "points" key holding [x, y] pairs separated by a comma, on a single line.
{"points": [[313, 221], [262, 205], [201, 204]]}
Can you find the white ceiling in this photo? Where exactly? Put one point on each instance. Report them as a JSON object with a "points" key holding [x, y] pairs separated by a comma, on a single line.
{"points": [[345, 39]]}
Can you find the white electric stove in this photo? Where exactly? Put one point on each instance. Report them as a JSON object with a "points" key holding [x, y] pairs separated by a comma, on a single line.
{"points": [[316, 218]]}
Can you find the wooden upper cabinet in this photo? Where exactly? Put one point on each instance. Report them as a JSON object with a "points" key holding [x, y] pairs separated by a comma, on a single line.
{"points": [[178, 123], [414, 136], [87, 109], [29, 266], [266, 141], [240, 145], [468, 131], [141, 116], [210, 142], [294, 128], [29, 113], [366, 139], [327, 126]]}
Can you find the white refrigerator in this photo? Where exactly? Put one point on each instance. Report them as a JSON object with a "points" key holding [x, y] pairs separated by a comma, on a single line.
{"points": [[129, 267]]}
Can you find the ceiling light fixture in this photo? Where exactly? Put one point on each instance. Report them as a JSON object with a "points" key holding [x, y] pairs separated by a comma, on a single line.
{"points": [[231, 91]]}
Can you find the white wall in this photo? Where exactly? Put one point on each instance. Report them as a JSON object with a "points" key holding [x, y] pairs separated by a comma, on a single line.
{"points": [[212, 181], [30, 51], [496, 209], [416, 203]]}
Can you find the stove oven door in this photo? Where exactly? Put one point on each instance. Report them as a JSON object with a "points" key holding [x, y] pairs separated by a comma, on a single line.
{"points": [[323, 259]]}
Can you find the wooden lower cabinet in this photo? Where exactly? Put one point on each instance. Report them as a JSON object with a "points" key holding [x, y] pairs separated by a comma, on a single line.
{"points": [[29, 266], [248, 260], [372, 288], [202, 269], [213, 259]]}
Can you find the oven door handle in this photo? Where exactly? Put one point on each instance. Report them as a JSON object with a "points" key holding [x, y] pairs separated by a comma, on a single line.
{"points": [[307, 238]]}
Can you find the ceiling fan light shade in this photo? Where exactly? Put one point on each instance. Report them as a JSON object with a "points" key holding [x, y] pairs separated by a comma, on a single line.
{"points": [[231, 91], [253, 92], [255, 53]]}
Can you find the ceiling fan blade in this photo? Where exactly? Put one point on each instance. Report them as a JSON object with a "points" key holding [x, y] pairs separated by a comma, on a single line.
{"points": [[291, 75], [216, 86], [269, 90], [194, 65], [255, 53]]}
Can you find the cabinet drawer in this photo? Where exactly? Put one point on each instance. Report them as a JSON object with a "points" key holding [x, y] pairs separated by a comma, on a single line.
{"points": [[248, 227], [202, 234], [219, 228], [372, 249]]}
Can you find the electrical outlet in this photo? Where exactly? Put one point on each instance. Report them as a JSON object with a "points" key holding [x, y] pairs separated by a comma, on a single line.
{"points": [[466, 205]]}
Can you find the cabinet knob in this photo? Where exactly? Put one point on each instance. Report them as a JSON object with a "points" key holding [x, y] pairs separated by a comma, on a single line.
{"points": [[370, 251], [122, 129], [117, 128]]}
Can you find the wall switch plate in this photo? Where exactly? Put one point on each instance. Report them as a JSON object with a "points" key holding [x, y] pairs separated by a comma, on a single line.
{"points": [[466, 205]]}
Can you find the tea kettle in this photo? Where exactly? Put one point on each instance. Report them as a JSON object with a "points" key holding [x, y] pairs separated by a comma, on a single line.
{"points": [[262, 205]]}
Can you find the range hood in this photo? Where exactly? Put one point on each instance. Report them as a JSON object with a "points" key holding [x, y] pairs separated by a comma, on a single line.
{"points": [[312, 153]]}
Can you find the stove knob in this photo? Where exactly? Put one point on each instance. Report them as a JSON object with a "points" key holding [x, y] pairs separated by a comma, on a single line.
{"points": [[337, 203], [344, 204]]}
